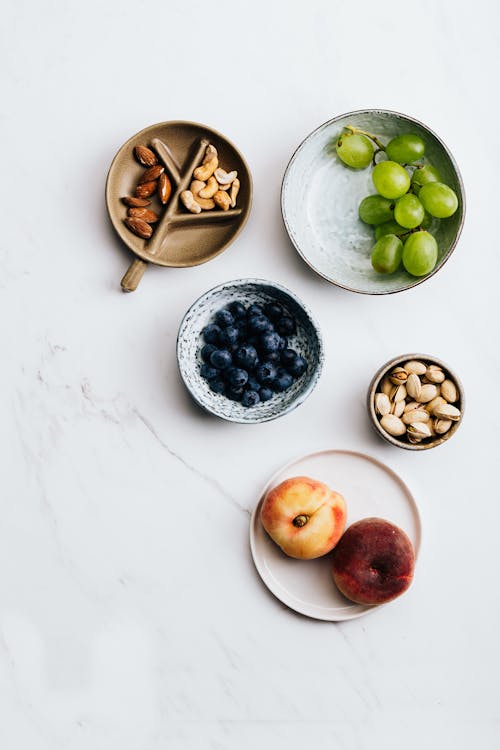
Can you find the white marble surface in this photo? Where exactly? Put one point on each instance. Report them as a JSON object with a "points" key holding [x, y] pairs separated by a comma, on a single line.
{"points": [[131, 617]]}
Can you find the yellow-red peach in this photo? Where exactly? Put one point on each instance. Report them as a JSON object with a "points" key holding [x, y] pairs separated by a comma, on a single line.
{"points": [[304, 517]]}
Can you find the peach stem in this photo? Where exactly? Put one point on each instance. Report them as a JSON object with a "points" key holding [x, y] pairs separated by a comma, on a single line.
{"points": [[300, 520]]}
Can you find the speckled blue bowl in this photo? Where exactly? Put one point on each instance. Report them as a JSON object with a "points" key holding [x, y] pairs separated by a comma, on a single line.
{"points": [[320, 198], [307, 342]]}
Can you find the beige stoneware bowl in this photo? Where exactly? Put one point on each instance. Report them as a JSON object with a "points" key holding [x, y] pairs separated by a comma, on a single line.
{"points": [[402, 442]]}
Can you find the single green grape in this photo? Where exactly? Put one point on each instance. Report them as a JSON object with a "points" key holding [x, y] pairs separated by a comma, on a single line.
{"points": [[423, 175], [420, 253], [390, 227], [438, 199], [409, 212], [386, 254], [390, 179], [405, 149], [355, 150], [375, 210]]}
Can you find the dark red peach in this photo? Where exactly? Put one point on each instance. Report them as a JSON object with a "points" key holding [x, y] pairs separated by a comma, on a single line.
{"points": [[373, 562]]}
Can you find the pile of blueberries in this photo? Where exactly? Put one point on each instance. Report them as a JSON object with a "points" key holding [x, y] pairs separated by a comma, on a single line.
{"points": [[246, 356]]}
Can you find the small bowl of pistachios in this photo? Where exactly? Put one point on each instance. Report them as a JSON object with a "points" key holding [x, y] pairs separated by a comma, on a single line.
{"points": [[416, 402]]}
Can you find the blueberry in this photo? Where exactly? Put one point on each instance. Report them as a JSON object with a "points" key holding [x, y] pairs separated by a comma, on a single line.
{"points": [[238, 309], [236, 377], [250, 398], [283, 381], [224, 318], [272, 357], [265, 393], [283, 343], [211, 334], [255, 310], [242, 327], [297, 367], [235, 394], [206, 351], [221, 359], [270, 342], [273, 310], [259, 324], [252, 383], [288, 356], [266, 373], [286, 326], [229, 336], [246, 356], [208, 372], [217, 385], [253, 340]]}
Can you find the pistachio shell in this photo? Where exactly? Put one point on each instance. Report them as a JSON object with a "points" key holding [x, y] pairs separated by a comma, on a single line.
{"points": [[382, 404], [398, 408], [393, 425], [386, 386], [427, 393], [418, 430], [447, 411], [432, 404], [442, 425], [398, 393], [412, 405], [398, 375], [416, 415], [413, 386], [449, 391], [434, 374], [415, 367]]}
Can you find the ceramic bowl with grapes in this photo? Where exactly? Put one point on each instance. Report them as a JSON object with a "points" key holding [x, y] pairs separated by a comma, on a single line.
{"points": [[320, 196]]}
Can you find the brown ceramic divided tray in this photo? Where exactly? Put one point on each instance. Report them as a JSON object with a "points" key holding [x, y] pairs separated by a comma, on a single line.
{"points": [[179, 238]]}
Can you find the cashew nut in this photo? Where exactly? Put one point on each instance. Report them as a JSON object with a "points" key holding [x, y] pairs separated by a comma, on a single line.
{"points": [[235, 189], [209, 153], [210, 189], [222, 200], [196, 187], [188, 200], [209, 165], [225, 178]]}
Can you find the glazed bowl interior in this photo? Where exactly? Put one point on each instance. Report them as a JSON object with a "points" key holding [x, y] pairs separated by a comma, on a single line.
{"points": [[374, 388], [320, 198], [307, 342]]}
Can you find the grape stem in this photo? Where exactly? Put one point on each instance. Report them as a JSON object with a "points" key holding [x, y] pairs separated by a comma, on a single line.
{"points": [[374, 138]]}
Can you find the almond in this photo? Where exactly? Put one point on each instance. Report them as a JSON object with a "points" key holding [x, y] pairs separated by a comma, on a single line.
{"points": [[130, 200], [139, 227], [143, 213], [164, 188], [152, 173], [145, 189], [145, 156]]}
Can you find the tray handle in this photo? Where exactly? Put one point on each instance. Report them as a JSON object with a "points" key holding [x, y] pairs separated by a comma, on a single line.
{"points": [[135, 272]]}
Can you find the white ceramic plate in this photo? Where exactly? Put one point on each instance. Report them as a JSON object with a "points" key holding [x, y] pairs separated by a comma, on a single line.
{"points": [[370, 489]]}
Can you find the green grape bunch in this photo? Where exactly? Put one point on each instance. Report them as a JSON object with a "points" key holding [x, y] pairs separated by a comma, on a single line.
{"points": [[409, 194]]}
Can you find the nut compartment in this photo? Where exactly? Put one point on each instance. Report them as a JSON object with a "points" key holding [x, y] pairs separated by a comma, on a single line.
{"points": [[179, 239]]}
